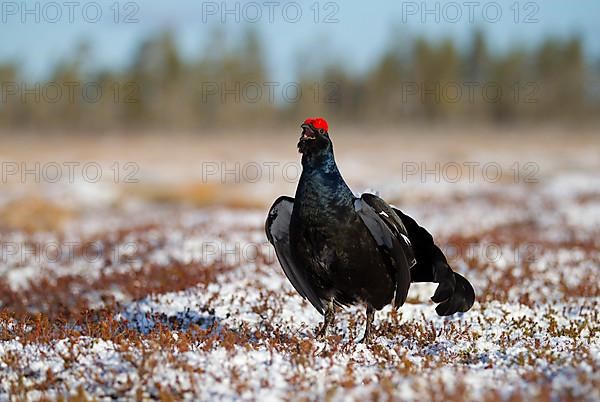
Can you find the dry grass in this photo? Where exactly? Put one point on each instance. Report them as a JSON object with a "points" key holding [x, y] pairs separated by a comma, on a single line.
{"points": [[34, 214], [197, 194]]}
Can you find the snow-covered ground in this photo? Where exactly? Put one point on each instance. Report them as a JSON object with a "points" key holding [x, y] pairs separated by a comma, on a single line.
{"points": [[151, 301]]}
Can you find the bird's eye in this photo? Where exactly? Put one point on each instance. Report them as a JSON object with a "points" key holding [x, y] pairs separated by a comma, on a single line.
{"points": [[321, 131]]}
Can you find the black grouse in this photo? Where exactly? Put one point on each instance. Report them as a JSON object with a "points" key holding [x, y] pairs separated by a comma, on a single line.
{"points": [[337, 249]]}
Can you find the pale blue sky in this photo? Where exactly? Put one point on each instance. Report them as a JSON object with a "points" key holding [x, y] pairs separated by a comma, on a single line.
{"points": [[361, 33]]}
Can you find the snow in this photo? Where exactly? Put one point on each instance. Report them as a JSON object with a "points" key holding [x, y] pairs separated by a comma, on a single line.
{"points": [[246, 334]]}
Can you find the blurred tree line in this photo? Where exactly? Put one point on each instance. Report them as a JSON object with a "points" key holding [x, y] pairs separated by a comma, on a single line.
{"points": [[230, 87]]}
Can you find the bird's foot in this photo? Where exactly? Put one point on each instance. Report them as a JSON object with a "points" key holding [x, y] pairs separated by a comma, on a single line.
{"points": [[329, 318], [367, 338], [321, 332]]}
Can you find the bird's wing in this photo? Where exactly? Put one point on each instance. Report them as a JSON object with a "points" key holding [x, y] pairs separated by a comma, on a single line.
{"points": [[277, 228], [454, 292], [391, 236]]}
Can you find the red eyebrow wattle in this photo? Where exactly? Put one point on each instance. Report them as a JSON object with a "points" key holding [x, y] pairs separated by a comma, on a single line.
{"points": [[317, 122]]}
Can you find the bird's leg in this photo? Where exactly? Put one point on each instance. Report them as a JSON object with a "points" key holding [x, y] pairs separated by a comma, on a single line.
{"points": [[328, 320], [370, 316]]}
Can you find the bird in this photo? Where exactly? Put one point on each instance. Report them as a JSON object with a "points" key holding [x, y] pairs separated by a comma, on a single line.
{"points": [[338, 249]]}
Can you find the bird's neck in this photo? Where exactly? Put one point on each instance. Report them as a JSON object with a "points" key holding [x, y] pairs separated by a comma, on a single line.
{"points": [[320, 175], [321, 162]]}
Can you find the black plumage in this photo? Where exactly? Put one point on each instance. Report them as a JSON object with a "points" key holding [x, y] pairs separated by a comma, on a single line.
{"points": [[337, 249]]}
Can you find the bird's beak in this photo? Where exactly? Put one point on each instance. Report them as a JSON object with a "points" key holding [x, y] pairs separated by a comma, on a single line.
{"points": [[308, 133]]}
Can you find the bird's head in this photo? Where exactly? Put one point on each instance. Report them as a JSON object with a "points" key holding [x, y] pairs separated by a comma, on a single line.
{"points": [[315, 137]]}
